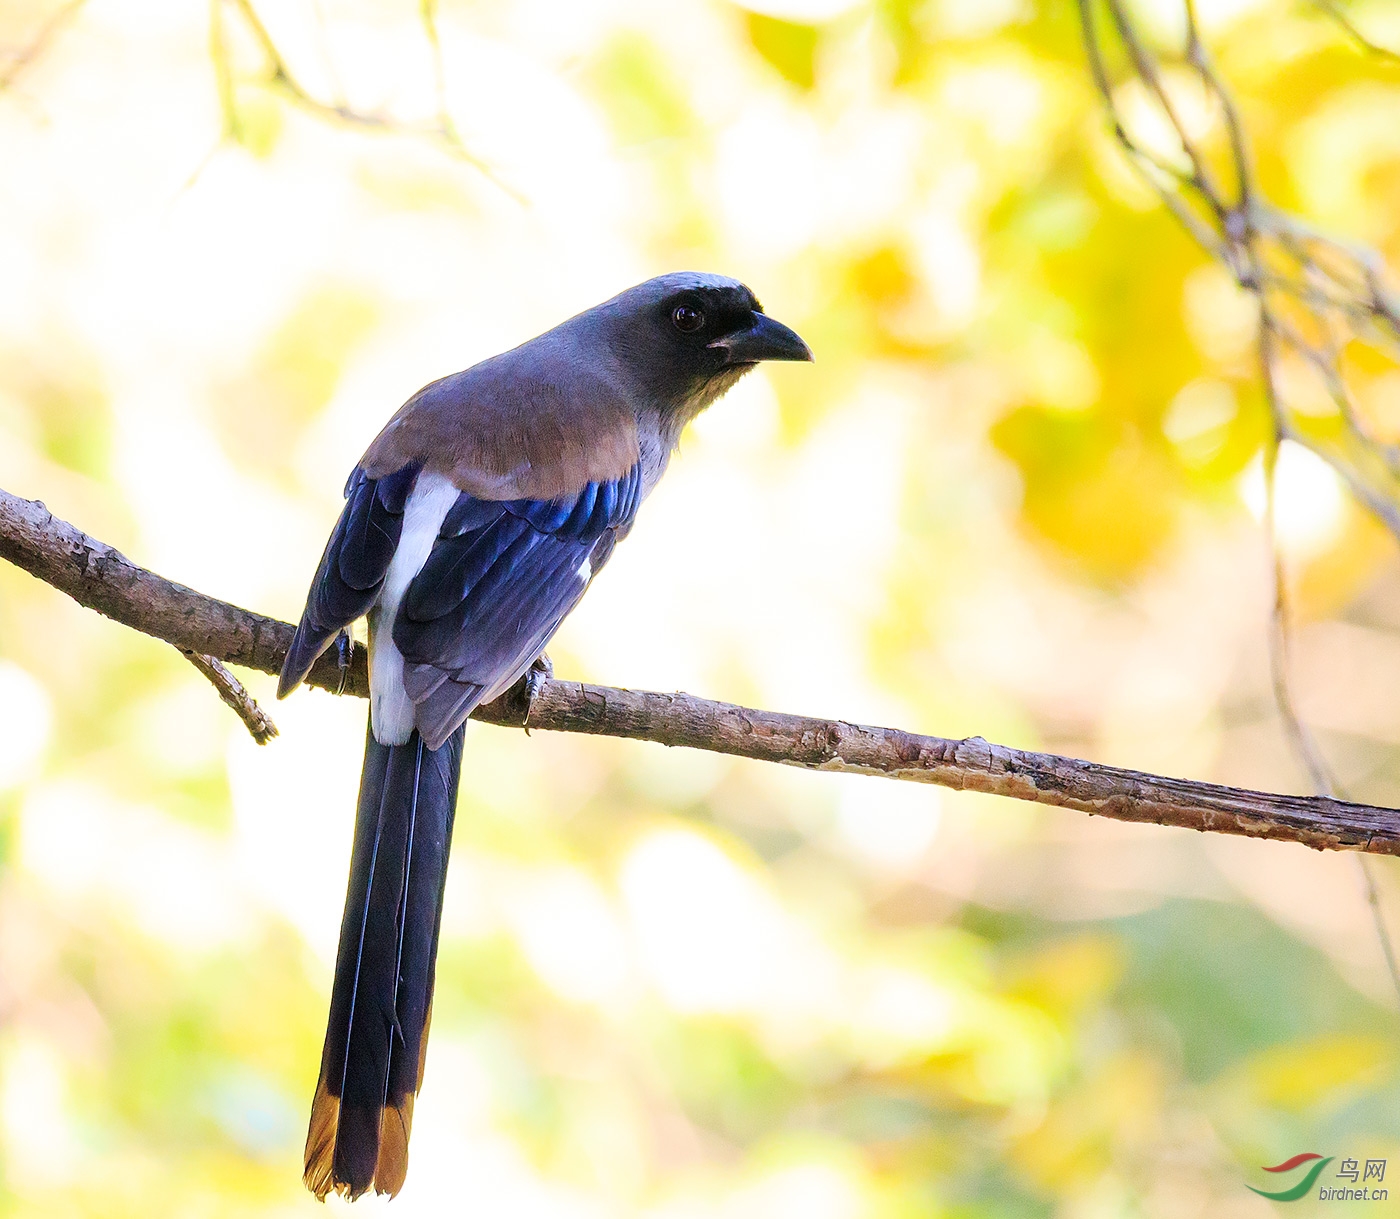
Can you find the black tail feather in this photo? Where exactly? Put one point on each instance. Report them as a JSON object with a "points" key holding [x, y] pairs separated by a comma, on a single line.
{"points": [[381, 999]]}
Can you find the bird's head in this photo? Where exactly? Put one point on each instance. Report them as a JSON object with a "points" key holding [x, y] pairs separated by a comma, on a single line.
{"points": [[686, 337]]}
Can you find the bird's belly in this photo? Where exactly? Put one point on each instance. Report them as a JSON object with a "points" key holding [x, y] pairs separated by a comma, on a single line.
{"points": [[391, 710]]}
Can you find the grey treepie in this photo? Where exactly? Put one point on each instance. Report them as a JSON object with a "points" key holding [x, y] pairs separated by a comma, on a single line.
{"points": [[472, 526]]}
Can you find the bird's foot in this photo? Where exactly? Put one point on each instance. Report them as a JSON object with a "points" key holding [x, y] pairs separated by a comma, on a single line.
{"points": [[539, 672], [344, 654]]}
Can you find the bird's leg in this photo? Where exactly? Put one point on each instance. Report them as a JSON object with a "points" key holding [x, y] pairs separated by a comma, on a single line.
{"points": [[539, 672], [344, 654]]}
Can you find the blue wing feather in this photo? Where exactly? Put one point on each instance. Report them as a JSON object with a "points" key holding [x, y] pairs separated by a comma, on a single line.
{"points": [[498, 582], [456, 565], [470, 515], [352, 568]]}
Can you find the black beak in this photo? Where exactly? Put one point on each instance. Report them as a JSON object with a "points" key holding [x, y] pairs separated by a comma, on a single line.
{"points": [[762, 339]]}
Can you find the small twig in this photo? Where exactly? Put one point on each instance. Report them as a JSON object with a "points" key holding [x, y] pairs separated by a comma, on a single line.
{"points": [[1304, 742], [282, 78], [443, 132], [235, 695], [1199, 58], [1378, 505], [1339, 15], [1373, 899], [223, 80], [1284, 263], [1148, 166], [29, 54], [1147, 72], [1326, 365], [1280, 645], [427, 15]]}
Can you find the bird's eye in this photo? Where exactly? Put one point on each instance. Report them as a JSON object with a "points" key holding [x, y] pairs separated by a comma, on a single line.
{"points": [[687, 318]]}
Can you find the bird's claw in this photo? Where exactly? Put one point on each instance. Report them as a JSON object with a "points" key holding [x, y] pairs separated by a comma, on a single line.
{"points": [[344, 654], [539, 672]]}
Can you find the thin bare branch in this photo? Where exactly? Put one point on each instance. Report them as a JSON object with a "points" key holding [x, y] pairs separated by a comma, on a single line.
{"points": [[1380, 506], [1340, 16], [1284, 262], [280, 77], [223, 75], [1146, 67], [427, 15], [1290, 268], [1304, 741], [1373, 900], [100, 578], [1326, 363], [17, 63], [1158, 175], [235, 695], [1280, 648], [1197, 55]]}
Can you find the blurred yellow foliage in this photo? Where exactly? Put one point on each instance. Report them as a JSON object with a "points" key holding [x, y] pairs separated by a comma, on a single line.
{"points": [[1110, 1117], [1018, 495], [1324, 1071]]}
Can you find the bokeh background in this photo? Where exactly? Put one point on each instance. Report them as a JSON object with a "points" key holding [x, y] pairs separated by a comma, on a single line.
{"points": [[1017, 496]]}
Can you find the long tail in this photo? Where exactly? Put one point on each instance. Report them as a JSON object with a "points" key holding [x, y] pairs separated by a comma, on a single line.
{"points": [[381, 1001]]}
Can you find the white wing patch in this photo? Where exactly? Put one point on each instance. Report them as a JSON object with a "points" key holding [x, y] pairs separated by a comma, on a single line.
{"points": [[390, 708], [585, 571]]}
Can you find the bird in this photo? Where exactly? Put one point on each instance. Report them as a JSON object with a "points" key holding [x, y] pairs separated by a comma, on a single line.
{"points": [[474, 523]]}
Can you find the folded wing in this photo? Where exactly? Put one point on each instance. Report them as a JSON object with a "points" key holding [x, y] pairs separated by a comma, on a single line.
{"points": [[500, 578], [353, 567]]}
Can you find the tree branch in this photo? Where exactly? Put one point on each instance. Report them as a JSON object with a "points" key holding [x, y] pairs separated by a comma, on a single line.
{"points": [[1371, 47], [1304, 282], [236, 697], [101, 578], [23, 59], [280, 77]]}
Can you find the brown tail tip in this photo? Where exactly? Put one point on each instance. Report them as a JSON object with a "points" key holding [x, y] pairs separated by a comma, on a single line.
{"points": [[319, 1175], [391, 1164]]}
